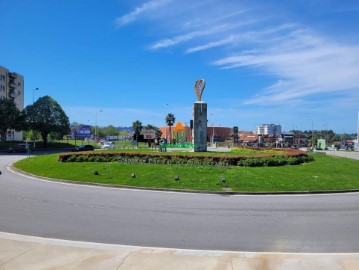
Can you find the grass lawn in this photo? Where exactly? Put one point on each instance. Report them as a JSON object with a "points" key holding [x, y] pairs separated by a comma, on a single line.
{"points": [[325, 173]]}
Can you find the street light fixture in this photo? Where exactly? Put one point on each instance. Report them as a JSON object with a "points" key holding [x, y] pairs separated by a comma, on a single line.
{"points": [[96, 128], [33, 94], [312, 136], [212, 130], [33, 100], [213, 133]]}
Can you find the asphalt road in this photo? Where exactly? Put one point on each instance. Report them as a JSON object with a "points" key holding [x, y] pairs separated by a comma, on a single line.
{"points": [[306, 223], [346, 154]]}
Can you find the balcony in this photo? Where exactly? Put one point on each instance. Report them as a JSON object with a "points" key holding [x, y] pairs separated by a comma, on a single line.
{"points": [[12, 85], [12, 75]]}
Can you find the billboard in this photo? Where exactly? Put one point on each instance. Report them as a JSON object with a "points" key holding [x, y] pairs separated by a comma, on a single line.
{"points": [[149, 134], [81, 132]]}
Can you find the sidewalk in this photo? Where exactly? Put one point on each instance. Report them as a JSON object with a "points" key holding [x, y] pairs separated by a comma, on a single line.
{"points": [[26, 252]]}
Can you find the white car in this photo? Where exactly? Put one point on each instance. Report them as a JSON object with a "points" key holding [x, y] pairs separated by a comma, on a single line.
{"points": [[108, 145]]}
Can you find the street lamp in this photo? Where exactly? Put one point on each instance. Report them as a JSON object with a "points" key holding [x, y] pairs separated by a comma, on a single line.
{"points": [[33, 100], [312, 136], [96, 127], [33, 94], [212, 133], [212, 129]]}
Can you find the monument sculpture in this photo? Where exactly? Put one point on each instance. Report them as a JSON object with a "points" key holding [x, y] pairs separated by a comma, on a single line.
{"points": [[199, 133], [199, 87]]}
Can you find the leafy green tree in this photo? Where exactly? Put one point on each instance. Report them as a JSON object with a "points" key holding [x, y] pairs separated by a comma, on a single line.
{"points": [[170, 120], [110, 131], [56, 136], [137, 128], [10, 117], [46, 116], [149, 126]]}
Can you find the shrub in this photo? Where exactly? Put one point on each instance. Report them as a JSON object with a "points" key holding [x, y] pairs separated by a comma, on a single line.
{"points": [[282, 157]]}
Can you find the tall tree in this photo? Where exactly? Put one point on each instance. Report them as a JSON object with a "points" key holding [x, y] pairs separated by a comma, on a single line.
{"points": [[137, 127], [10, 117], [170, 120], [46, 116], [110, 131]]}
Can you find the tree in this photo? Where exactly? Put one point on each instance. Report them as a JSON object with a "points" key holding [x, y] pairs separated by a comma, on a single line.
{"points": [[170, 120], [10, 117], [46, 116], [137, 127], [149, 126], [110, 131]]}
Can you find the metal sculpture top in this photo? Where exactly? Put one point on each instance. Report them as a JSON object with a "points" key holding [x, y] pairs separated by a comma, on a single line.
{"points": [[199, 87]]}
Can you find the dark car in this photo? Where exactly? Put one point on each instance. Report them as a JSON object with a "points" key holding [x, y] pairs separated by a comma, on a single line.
{"points": [[20, 148], [85, 147]]}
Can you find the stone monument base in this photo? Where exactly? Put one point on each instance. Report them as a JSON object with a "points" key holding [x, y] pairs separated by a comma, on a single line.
{"points": [[199, 134]]}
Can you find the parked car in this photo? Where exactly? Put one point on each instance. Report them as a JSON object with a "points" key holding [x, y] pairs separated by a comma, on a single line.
{"points": [[108, 145], [294, 146], [85, 147], [20, 148]]}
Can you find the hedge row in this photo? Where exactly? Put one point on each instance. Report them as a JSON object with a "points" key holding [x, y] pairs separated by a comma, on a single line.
{"points": [[289, 158]]}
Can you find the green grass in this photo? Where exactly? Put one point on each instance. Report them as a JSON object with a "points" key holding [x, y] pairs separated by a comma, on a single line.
{"points": [[325, 173], [39, 144]]}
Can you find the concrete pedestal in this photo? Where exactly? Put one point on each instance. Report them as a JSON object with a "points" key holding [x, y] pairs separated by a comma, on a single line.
{"points": [[199, 134]]}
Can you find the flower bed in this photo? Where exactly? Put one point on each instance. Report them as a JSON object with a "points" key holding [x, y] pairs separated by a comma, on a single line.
{"points": [[285, 157]]}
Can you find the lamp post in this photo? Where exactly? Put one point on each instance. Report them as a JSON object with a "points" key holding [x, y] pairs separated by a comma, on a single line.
{"points": [[33, 100], [212, 133], [312, 136], [33, 94], [96, 128], [211, 114]]}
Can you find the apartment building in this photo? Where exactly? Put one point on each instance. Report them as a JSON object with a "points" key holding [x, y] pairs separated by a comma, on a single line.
{"points": [[269, 129], [12, 87]]}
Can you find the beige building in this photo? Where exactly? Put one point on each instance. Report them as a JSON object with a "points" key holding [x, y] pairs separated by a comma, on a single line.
{"points": [[12, 87]]}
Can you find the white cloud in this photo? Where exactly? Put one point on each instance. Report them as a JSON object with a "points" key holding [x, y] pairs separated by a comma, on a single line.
{"points": [[322, 67], [300, 62], [246, 37], [150, 6], [186, 37]]}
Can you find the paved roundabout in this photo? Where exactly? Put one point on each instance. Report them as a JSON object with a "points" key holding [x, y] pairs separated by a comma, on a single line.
{"points": [[326, 223]]}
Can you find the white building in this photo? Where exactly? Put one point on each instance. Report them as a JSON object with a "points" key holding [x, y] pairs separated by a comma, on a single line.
{"points": [[12, 87], [269, 129]]}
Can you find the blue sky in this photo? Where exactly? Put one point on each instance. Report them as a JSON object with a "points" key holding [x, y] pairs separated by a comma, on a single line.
{"points": [[293, 62]]}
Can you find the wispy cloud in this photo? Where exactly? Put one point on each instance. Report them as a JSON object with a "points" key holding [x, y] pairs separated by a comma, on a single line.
{"points": [[323, 68], [168, 42], [247, 37], [150, 6], [301, 62]]}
